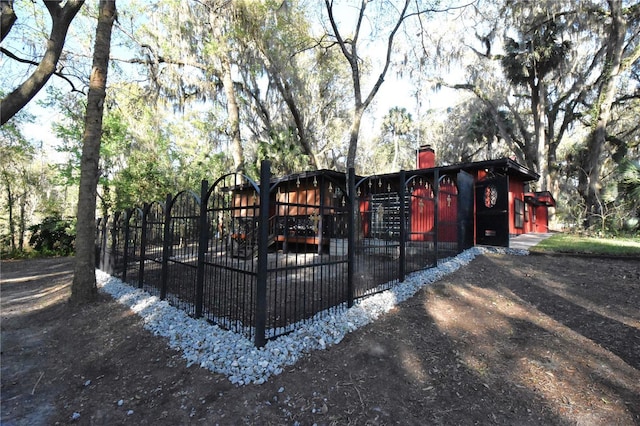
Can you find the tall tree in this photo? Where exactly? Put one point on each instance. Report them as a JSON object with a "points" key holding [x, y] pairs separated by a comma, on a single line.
{"points": [[396, 124], [349, 46], [528, 62], [84, 288], [277, 34], [256, 61], [221, 17], [549, 77], [621, 54], [61, 17], [190, 55], [16, 157]]}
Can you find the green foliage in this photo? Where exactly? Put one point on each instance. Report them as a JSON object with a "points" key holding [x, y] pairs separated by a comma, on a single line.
{"points": [[19, 178], [397, 122], [630, 182], [536, 55], [166, 123], [573, 243], [54, 236], [395, 148], [281, 149], [629, 188], [619, 200], [484, 129]]}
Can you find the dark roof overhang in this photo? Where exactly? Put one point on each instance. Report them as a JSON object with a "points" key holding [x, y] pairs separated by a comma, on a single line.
{"points": [[500, 166], [541, 198]]}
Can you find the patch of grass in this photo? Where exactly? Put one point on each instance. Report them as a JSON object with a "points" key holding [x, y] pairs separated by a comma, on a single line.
{"points": [[570, 243]]}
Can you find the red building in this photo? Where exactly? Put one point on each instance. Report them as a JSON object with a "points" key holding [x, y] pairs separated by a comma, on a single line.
{"points": [[503, 204], [460, 205]]}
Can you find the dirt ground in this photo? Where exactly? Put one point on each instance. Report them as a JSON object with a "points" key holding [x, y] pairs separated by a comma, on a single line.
{"points": [[511, 340]]}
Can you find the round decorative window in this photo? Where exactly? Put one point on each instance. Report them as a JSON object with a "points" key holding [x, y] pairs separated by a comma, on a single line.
{"points": [[490, 196]]}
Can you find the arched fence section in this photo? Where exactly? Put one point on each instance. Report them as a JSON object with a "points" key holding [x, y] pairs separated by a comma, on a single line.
{"points": [[420, 248], [228, 283], [379, 224], [133, 240], [152, 250], [447, 216], [262, 258], [180, 252], [119, 238], [307, 268]]}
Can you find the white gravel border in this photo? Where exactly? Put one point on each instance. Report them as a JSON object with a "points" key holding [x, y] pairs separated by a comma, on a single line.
{"points": [[235, 356]]}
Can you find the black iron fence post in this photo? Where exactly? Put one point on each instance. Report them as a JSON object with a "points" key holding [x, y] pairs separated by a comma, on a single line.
{"points": [[351, 234], [143, 244], [203, 242], [97, 245], [105, 249], [112, 251], [166, 248], [125, 254], [403, 230], [263, 242], [103, 243], [436, 213]]}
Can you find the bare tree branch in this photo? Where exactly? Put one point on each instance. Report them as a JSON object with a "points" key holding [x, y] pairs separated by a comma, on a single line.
{"points": [[35, 63], [61, 17]]}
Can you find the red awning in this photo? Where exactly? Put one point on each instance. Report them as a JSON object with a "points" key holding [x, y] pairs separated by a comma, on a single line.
{"points": [[541, 198]]}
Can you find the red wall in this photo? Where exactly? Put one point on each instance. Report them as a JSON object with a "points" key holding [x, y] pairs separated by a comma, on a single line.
{"points": [[422, 213], [542, 219], [516, 191], [448, 211], [535, 219], [365, 217]]}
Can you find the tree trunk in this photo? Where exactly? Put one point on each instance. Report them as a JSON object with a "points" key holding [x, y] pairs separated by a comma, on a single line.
{"points": [[396, 152], [353, 136], [61, 19], [590, 184], [287, 93], [7, 18], [83, 289], [349, 49], [12, 227], [539, 148], [298, 119], [22, 224], [233, 112]]}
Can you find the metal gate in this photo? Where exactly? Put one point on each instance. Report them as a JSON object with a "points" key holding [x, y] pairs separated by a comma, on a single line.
{"points": [[227, 288]]}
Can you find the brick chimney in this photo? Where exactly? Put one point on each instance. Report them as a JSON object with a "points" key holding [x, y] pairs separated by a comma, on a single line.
{"points": [[426, 158]]}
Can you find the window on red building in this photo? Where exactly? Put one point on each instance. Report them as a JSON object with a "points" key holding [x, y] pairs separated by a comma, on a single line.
{"points": [[519, 213]]}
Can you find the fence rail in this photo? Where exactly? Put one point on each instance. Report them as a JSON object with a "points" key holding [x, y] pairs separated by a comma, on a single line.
{"points": [[262, 258]]}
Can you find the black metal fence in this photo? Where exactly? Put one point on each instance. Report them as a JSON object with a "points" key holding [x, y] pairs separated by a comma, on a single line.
{"points": [[262, 258]]}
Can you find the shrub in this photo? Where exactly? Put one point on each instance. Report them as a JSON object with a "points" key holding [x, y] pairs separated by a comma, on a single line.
{"points": [[54, 236]]}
